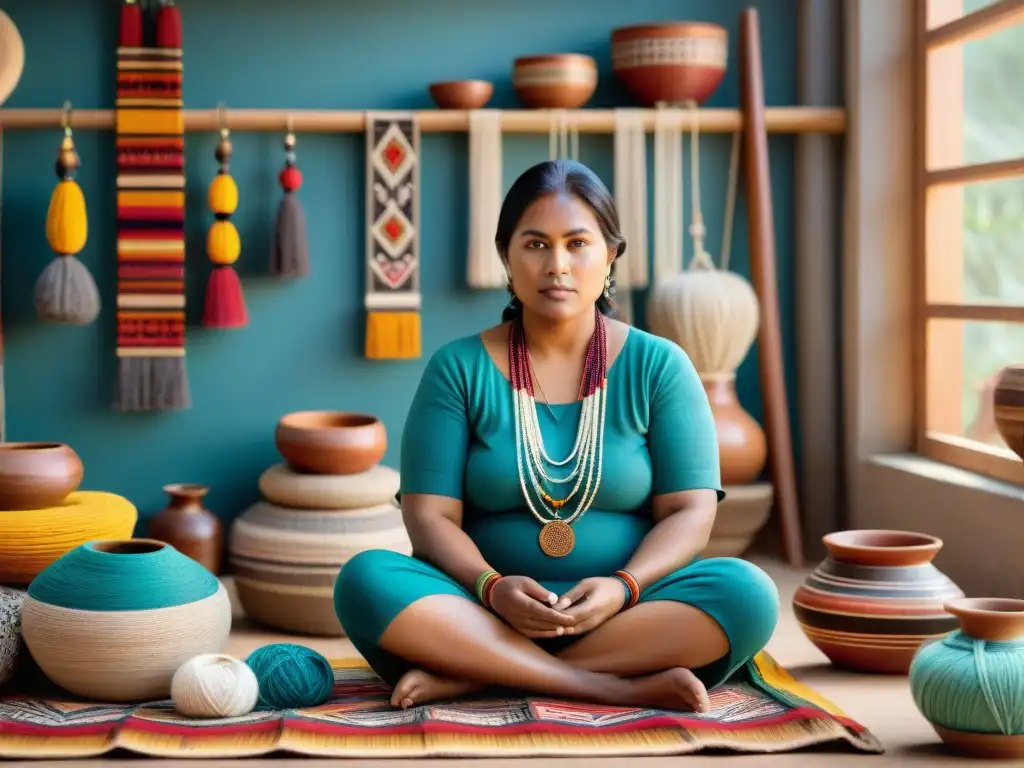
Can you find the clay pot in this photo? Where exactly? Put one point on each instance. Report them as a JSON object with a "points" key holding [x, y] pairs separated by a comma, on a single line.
{"points": [[331, 442], [1008, 401], [37, 475], [461, 94], [555, 81], [742, 447], [672, 62], [188, 526], [989, 646], [876, 599], [739, 518]]}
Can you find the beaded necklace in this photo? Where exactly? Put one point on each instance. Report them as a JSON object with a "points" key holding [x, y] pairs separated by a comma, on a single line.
{"points": [[556, 537]]}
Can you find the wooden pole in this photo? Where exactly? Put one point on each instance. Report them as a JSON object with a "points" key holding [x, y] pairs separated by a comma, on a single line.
{"points": [[818, 222], [761, 233], [776, 120]]}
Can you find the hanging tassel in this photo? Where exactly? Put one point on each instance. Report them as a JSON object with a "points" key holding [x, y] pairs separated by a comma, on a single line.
{"points": [[289, 250], [66, 291], [225, 302], [168, 25], [131, 25]]}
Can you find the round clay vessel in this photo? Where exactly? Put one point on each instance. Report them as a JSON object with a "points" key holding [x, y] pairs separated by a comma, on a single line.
{"points": [[331, 442], [988, 644], [113, 620], [1008, 401], [188, 526], [876, 599], [742, 447], [37, 475], [671, 62], [461, 94], [555, 81]]}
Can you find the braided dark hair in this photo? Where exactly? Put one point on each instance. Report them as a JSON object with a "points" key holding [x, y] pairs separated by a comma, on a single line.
{"points": [[553, 177]]}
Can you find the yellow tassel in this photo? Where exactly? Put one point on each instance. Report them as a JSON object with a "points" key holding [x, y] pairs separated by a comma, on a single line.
{"points": [[67, 226], [222, 196], [393, 335], [223, 245]]}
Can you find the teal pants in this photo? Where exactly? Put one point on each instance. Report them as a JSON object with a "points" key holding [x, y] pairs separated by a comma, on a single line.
{"points": [[376, 585]]}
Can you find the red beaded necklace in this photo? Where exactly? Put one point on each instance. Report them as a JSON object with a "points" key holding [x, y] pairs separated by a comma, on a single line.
{"points": [[557, 537]]}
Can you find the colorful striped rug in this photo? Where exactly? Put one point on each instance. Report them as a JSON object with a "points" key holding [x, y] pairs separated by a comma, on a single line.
{"points": [[764, 709]]}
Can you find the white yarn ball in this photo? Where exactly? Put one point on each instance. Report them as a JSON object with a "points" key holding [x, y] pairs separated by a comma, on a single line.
{"points": [[214, 685]]}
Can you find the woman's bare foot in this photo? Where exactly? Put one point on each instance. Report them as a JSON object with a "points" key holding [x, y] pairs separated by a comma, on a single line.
{"points": [[418, 687], [676, 688]]}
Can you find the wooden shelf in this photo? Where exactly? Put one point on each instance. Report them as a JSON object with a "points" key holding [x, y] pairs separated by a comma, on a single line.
{"points": [[777, 119]]}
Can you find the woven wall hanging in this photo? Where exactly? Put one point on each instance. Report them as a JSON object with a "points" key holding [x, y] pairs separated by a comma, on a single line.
{"points": [[393, 296], [150, 139]]}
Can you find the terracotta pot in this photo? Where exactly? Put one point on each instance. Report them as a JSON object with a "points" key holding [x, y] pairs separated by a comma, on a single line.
{"points": [[461, 94], [738, 519], [188, 526], [1008, 401], [555, 81], [876, 599], [989, 645], [672, 62], [331, 442], [37, 475], [742, 447], [113, 620]]}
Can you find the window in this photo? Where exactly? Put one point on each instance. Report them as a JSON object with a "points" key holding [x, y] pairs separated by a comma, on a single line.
{"points": [[970, 230]]}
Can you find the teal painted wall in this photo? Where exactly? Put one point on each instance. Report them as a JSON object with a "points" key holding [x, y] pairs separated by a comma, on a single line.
{"points": [[303, 348]]}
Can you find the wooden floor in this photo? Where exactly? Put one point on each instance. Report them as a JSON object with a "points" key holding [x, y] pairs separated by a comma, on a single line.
{"points": [[881, 703]]}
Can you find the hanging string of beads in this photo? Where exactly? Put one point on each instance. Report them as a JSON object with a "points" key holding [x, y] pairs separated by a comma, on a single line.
{"points": [[556, 537], [289, 250], [66, 291], [225, 302]]}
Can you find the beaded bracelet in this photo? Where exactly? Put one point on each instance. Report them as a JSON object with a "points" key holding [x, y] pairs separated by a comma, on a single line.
{"points": [[485, 583], [632, 588]]}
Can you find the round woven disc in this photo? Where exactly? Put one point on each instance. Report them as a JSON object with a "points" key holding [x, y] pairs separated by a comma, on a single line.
{"points": [[556, 539]]}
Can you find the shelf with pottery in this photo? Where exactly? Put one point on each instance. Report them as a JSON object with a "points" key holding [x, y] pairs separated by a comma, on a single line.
{"points": [[537, 121]]}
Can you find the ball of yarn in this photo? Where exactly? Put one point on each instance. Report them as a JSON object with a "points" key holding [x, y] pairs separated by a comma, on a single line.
{"points": [[966, 684], [291, 676], [214, 685]]}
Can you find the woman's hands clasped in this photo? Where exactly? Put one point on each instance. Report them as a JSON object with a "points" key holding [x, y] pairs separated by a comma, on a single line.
{"points": [[526, 606], [537, 613]]}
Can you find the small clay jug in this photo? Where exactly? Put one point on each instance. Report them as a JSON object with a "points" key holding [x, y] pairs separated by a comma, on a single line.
{"points": [[188, 526], [742, 446]]}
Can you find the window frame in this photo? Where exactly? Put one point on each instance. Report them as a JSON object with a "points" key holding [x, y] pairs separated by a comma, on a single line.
{"points": [[949, 36]]}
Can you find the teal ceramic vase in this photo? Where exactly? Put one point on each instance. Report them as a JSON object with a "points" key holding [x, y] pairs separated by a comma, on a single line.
{"points": [[970, 684], [113, 620]]}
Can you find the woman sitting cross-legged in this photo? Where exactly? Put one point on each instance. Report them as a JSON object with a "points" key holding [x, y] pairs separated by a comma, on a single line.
{"points": [[559, 481]]}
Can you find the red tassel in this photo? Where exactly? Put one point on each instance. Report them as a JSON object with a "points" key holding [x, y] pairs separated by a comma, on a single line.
{"points": [[131, 25], [168, 26], [225, 302]]}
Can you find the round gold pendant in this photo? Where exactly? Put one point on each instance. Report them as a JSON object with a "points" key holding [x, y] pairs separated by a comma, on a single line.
{"points": [[556, 539]]}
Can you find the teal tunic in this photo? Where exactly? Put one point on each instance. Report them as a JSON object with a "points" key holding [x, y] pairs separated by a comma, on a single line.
{"points": [[459, 441]]}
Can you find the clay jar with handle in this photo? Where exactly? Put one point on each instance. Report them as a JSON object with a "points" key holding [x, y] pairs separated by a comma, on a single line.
{"points": [[188, 526], [37, 475]]}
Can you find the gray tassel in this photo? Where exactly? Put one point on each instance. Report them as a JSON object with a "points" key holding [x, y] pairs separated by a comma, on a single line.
{"points": [[289, 251], [67, 293], [152, 384]]}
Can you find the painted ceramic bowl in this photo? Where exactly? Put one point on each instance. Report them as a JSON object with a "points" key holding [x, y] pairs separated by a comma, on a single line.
{"points": [[331, 442], [876, 599], [672, 62], [461, 94], [113, 620], [37, 475], [555, 81]]}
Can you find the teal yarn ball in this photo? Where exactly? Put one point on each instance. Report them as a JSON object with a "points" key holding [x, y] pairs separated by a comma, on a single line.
{"points": [[291, 676], [963, 683], [132, 575]]}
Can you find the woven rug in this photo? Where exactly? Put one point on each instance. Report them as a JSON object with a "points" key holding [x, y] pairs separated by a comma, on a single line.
{"points": [[764, 709]]}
